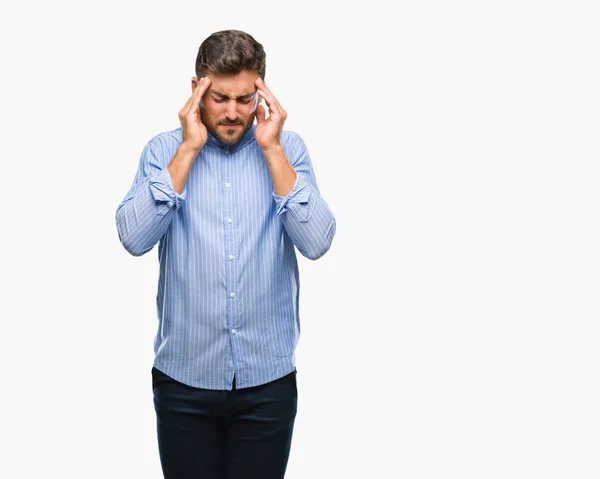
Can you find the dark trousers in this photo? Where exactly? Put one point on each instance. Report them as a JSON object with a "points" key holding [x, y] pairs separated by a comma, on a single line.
{"points": [[241, 434]]}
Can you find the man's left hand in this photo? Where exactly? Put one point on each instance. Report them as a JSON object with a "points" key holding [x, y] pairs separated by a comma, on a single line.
{"points": [[268, 130]]}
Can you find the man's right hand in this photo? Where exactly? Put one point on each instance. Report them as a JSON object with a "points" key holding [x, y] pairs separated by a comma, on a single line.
{"points": [[194, 133]]}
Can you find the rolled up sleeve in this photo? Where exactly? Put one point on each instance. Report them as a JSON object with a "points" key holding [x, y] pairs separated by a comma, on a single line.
{"points": [[145, 213], [306, 216]]}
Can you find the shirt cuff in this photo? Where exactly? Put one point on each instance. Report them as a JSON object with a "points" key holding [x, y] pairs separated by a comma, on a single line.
{"points": [[161, 188], [297, 199]]}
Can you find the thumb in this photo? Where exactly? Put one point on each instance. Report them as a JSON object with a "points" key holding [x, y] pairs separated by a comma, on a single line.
{"points": [[260, 114]]}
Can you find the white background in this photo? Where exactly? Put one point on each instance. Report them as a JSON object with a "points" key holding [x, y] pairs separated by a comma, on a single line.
{"points": [[452, 329]]}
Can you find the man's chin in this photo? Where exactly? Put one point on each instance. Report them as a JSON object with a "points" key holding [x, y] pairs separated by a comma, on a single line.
{"points": [[229, 136]]}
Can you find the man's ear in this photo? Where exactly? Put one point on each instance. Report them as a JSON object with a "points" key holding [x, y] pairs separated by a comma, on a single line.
{"points": [[194, 83]]}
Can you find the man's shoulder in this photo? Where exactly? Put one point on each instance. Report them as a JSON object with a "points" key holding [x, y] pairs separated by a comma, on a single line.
{"points": [[293, 145], [289, 136], [170, 139]]}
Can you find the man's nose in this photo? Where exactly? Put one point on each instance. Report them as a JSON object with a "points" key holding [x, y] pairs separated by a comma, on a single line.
{"points": [[231, 113]]}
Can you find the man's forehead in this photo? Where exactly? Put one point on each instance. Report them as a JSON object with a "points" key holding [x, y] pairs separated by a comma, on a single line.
{"points": [[233, 85]]}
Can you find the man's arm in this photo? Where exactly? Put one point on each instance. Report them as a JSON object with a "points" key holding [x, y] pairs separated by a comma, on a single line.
{"points": [[306, 217], [147, 210], [283, 175], [159, 189]]}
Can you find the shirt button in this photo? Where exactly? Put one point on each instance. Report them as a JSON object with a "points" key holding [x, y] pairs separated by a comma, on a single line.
{"points": [[227, 185], [226, 152], [232, 294], [233, 331], [231, 257], [229, 220]]}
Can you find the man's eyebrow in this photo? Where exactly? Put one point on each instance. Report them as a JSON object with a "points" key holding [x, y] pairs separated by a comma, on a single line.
{"points": [[222, 95], [215, 92]]}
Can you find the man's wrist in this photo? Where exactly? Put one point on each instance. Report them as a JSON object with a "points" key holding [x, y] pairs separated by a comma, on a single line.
{"points": [[189, 150], [274, 153]]}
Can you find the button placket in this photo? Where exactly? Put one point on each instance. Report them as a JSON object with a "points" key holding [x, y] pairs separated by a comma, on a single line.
{"points": [[227, 169]]}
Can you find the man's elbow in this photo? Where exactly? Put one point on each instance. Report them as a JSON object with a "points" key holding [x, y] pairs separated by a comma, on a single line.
{"points": [[132, 244], [134, 250], [318, 249]]}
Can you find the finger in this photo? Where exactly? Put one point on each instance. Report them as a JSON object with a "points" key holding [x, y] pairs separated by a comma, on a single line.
{"points": [[260, 83], [201, 91], [275, 108], [190, 100], [269, 100], [262, 87], [185, 108], [203, 85], [193, 103], [261, 114]]}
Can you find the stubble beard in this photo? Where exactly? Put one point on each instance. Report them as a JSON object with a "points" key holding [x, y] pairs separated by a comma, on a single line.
{"points": [[232, 136]]}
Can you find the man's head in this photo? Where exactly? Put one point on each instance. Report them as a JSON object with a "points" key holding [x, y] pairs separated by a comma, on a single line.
{"points": [[233, 60]]}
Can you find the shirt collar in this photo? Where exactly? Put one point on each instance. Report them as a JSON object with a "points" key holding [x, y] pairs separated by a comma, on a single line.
{"points": [[247, 138]]}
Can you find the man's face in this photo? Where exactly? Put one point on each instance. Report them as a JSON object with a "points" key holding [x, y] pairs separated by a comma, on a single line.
{"points": [[228, 107]]}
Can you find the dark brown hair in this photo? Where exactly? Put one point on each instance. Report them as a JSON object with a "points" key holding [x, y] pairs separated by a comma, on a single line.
{"points": [[230, 52]]}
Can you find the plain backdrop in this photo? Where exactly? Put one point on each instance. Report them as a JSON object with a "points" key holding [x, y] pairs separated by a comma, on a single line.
{"points": [[452, 329]]}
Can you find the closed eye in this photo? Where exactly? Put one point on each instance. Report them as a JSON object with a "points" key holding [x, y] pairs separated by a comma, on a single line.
{"points": [[244, 99]]}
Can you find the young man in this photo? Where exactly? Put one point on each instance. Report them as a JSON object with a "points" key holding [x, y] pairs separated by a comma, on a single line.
{"points": [[227, 201]]}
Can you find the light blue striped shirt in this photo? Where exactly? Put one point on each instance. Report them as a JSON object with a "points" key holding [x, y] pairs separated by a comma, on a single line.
{"points": [[228, 289]]}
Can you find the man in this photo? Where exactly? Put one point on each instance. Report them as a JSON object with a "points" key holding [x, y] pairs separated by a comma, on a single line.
{"points": [[227, 201]]}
